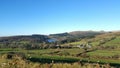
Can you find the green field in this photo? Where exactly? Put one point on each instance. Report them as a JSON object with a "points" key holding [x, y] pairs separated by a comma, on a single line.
{"points": [[68, 55]]}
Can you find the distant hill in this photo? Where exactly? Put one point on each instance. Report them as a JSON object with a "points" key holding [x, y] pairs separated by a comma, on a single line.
{"points": [[35, 40], [24, 38], [75, 35], [45, 38], [86, 33]]}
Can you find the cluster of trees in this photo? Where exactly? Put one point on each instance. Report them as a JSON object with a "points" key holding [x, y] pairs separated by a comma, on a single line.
{"points": [[26, 42], [24, 45]]}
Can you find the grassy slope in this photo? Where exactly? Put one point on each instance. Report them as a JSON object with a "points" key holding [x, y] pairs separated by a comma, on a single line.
{"points": [[100, 38], [103, 55]]}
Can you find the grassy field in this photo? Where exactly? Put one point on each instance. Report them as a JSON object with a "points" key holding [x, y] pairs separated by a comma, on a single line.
{"points": [[68, 56], [104, 53], [17, 62]]}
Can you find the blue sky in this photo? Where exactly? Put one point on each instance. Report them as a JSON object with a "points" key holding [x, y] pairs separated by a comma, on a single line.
{"points": [[24, 17]]}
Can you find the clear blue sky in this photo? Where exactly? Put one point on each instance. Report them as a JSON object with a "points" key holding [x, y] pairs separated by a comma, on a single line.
{"points": [[19, 17]]}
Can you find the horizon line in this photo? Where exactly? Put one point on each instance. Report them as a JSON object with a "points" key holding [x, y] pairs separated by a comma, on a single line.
{"points": [[58, 33]]}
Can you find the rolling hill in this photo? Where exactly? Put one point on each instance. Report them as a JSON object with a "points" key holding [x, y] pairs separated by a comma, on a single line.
{"points": [[100, 38], [105, 40]]}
